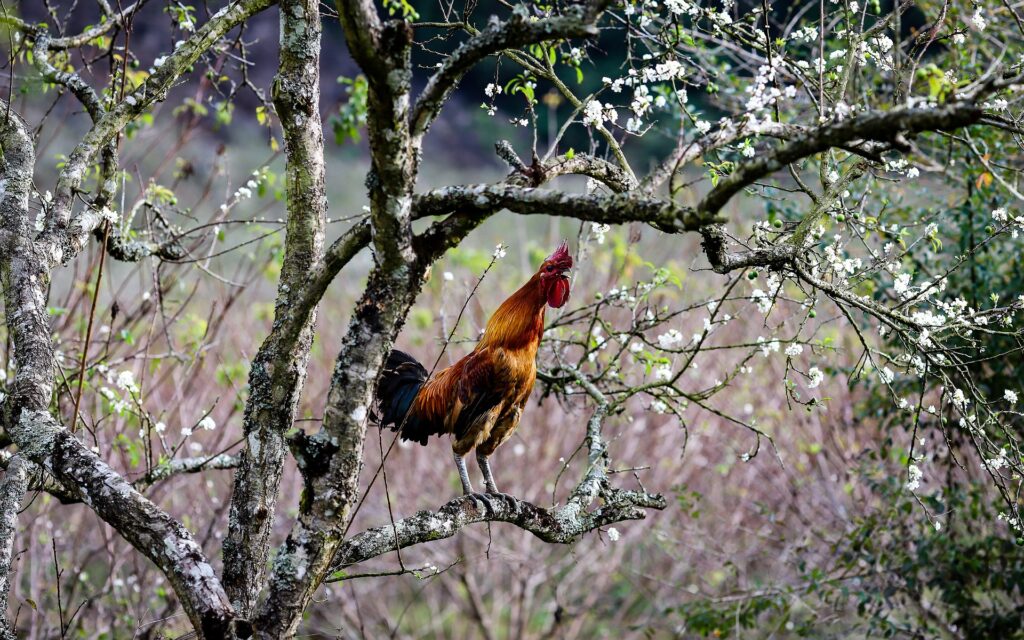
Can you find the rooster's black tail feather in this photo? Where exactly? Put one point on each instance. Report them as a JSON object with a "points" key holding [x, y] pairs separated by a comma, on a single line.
{"points": [[400, 382]]}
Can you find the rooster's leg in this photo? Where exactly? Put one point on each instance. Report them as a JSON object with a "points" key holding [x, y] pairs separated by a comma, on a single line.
{"points": [[485, 468], [460, 463], [491, 487], [467, 487]]}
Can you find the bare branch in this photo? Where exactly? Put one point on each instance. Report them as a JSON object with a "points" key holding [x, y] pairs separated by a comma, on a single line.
{"points": [[610, 209], [63, 236], [561, 525], [110, 20], [183, 466], [518, 31], [148, 528]]}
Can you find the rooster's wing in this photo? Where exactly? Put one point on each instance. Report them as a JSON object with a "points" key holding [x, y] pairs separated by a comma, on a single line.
{"points": [[479, 391]]}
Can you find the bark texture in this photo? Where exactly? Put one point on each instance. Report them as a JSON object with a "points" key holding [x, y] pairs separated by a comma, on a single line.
{"points": [[279, 368], [12, 491]]}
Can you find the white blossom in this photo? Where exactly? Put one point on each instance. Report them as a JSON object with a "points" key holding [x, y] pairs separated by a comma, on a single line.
{"points": [[126, 382], [914, 476], [960, 400], [816, 376], [997, 462], [767, 347], [978, 20]]}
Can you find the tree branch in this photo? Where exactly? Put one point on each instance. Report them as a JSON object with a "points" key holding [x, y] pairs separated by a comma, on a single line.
{"points": [[148, 528], [278, 371], [109, 21], [63, 236], [180, 466], [12, 492], [40, 439], [561, 525], [518, 31], [885, 126], [611, 209]]}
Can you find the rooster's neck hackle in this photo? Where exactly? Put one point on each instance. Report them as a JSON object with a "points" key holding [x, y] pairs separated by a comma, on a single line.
{"points": [[519, 321]]}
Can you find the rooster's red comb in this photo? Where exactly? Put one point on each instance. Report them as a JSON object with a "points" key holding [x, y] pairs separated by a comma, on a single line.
{"points": [[561, 254]]}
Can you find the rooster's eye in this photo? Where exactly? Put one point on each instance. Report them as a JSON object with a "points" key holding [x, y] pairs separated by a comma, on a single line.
{"points": [[549, 268]]}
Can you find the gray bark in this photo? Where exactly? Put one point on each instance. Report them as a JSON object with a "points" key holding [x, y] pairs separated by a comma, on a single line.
{"points": [[24, 269], [331, 459], [12, 491], [617, 208], [279, 368], [560, 525]]}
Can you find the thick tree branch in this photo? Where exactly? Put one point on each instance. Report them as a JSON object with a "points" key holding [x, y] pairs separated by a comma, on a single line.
{"points": [[331, 459], [581, 164], [149, 529], [42, 440], [12, 491], [279, 368], [362, 28], [610, 209], [85, 94], [562, 525]]}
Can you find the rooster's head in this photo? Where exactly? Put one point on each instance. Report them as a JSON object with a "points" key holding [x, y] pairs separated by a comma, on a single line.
{"points": [[553, 279]]}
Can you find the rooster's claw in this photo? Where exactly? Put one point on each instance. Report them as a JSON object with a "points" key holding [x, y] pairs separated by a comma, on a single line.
{"points": [[507, 498], [478, 498]]}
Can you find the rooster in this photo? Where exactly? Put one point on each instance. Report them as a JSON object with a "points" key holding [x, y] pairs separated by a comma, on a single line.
{"points": [[479, 400]]}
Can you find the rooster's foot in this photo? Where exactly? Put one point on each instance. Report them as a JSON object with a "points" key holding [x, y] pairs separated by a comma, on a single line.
{"points": [[482, 499], [507, 498]]}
